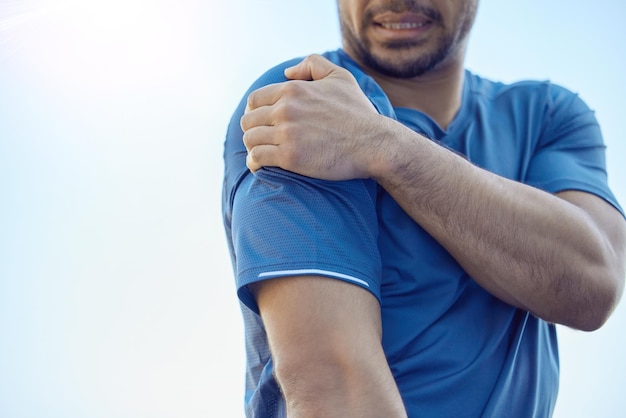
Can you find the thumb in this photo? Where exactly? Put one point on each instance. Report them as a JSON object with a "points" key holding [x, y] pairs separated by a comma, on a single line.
{"points": [[313, 67]]}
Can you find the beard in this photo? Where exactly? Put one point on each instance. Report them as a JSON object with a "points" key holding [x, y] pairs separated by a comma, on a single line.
{"points": [[403, 62], [407, 65]]}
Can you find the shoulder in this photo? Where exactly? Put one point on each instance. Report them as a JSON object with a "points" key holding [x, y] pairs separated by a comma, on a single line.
{"points": [[276, 73], [273, 75], [544, 92], [543, 103]]}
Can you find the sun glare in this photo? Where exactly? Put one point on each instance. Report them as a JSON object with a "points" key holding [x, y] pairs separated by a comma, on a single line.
{"points": [[107, 43]]}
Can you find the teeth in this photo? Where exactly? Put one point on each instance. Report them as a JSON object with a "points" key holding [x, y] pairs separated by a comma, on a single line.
{"points": [[399, 26]]}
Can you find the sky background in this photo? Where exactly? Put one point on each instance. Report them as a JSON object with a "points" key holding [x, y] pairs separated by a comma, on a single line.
{"points": [[116, 292]]}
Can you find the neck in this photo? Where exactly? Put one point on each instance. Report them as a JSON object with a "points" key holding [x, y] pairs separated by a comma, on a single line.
{"points": [[437, 93]]}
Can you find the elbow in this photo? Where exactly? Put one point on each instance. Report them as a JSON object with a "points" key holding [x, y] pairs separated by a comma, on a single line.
{"points": [[307, 374], [592, 321], [601, 302], [311, 375], [338, 383], [307, 380], [601, 288]]}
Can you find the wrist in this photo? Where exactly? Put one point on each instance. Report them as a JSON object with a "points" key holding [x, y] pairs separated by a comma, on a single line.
{"points": [[394, 153]]}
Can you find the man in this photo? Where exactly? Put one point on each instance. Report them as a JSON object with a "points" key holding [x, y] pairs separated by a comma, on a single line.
{"points": [[405, 234]]}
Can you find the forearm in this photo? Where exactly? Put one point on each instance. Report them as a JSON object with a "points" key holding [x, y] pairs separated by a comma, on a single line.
{"points": [[529, 248]]}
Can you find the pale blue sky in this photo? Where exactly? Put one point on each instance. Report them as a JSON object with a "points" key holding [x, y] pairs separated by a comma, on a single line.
{"points": [[116, 293]]}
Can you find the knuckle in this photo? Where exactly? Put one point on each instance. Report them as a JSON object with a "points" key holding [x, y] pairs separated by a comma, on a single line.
{"points": [[243, 123], [255, 158], [292, 89], [252, 100], [251, 162], [282, 112], [252, 155], [246, 139], [290, 155], [286, 132]]}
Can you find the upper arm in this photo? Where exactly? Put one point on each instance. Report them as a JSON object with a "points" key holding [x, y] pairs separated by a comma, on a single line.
{"points": [[315, 316], [284, 224], [570, 153], [306, 259], [325, 339]]}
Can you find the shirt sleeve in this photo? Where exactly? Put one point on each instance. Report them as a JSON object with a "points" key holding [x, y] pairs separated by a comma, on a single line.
{"points": [[570, 153], [282, 224], [288, 225]]}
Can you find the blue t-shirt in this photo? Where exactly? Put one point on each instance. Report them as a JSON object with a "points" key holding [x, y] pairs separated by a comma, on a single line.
{"points": [[454, 349]]}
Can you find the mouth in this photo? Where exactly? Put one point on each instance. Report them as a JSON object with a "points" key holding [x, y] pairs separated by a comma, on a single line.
{"points": [[402, 25], [401, 21]]}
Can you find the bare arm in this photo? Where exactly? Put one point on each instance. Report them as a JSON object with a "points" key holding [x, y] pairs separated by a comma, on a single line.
{"points": [[560, 257], [325, 339]]}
